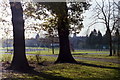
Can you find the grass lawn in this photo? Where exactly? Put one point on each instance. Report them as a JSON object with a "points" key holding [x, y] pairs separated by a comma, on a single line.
{"points": [[26, 48], [89, 51], [86, 70], [1, 48], [56, 50], [49, 50], [66, 71], [104, 56], [78, 53], [44, 52], [6, 47]]}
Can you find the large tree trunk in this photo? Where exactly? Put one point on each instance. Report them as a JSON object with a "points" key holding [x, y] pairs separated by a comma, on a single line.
{"points": [[65, 55], [19, 61]]}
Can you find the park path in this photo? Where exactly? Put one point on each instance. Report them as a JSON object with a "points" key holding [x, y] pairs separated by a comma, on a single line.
{"points": [[82, 58], [91, 59]]}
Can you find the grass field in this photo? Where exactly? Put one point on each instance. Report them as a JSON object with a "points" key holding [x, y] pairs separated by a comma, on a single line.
{"points": [[85, 70], [49, 51], [100, 56], [76, 53], [67, 72]]}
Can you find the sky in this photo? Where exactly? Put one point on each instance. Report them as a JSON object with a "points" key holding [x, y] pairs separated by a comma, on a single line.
{"points": [[84, 31], [88, 20]]}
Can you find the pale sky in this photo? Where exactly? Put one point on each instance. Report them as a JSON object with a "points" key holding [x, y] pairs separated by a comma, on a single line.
{"points": [[84, 31], [88, 20]]}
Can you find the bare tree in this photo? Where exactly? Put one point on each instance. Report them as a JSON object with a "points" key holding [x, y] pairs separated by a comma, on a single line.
{"points": [[105, 12]]}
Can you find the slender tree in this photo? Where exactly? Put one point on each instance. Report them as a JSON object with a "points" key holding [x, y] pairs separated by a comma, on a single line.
{"points": [[117, 39], [106, 14]]}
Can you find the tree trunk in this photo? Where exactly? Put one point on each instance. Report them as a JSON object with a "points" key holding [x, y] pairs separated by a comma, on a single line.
{"points": [[52, 45], [118, 43], [65, 55], [110, 42], [19, 61]]}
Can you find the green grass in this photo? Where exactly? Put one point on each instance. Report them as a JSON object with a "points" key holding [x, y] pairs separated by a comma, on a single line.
{"points": [[100, 63], [49, 51], [5, 57], [66, 71], [6, 47], [79, 53], [105, 56], [56, 49], [8, 57], [36, 48], [1, 48], [80, 72], [44, 52], [88, 51], [26, 48]]}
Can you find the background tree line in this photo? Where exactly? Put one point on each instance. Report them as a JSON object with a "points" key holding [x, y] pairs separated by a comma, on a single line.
{"points": [[96, 41]]}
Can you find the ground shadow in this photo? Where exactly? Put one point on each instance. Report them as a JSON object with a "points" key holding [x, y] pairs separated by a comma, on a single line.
{"points": [[63, 79], [99, 66], [39, 76], [47, 76]]}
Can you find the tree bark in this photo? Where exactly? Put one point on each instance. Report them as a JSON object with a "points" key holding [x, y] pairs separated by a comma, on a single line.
{"points": [[19, 61], [65, 55], [110, 42]]}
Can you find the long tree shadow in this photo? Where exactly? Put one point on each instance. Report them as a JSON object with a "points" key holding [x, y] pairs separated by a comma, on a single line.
{"points": [[99, 66], [34, 75], [48, 76]]}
